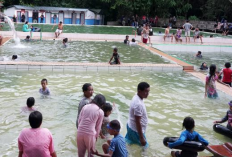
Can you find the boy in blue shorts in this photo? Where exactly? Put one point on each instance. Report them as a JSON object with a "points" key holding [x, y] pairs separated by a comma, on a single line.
{"points": [[117, 146]]}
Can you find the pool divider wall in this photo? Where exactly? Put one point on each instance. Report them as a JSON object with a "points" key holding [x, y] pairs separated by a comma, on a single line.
{"points": [[42, 66], [185, 65], [5, 40]]}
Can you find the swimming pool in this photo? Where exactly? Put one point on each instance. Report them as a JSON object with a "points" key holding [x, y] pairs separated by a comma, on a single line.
{"points": [[78, 51], [172, 97]]}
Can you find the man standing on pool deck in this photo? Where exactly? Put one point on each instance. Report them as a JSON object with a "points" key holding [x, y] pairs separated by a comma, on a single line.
{"points": [[138, 120], [187, 26], [59, 29]]}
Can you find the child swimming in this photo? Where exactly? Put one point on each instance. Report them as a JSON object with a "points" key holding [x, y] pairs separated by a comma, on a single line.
{"points": [[14, 57], [204, 66], [117, 146], [30, 104], [198, 55], [107, 108], [44, 90], [228, 117], [190, 135], [116, 57], [65, 40], [133, 42], [126, 41]]}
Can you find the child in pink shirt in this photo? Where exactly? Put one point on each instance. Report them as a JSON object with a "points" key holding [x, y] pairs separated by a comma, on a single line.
{"points": [[210, 83], [36, 141], [89, 125]]}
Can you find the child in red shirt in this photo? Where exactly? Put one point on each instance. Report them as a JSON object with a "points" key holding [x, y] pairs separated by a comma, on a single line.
{"points": [[227, 74]]}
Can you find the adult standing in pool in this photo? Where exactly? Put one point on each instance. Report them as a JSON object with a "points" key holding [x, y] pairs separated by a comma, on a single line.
{"points": [[88, 92], [145, 34], [138, 120], [89, 125]]}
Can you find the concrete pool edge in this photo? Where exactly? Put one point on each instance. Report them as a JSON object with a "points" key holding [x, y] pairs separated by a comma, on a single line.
{"points": [[113, 37], [185, 65], [75, 66]]}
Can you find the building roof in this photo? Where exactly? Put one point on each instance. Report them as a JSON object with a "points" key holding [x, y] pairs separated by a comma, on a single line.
{"points": [[22, 7], [45, 8], [98, 11]]}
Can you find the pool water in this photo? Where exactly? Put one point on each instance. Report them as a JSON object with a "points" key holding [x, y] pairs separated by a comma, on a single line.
{"points": [[173, 96], [217, 58], [78, 51]]}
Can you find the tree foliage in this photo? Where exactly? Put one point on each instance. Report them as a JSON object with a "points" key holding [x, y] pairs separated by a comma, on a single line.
{"points": [[113, 9]]}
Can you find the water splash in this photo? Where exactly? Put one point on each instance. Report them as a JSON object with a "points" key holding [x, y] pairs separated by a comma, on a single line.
{"points": [[11, 24]]}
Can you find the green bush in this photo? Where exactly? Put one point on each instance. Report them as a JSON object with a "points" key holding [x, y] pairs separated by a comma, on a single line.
{"points": [[193, 18], [181, 18]]}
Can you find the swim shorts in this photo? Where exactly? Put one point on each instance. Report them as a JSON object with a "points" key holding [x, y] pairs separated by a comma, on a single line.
{"points": [[58, 31], [187, 33], [145, 40]]}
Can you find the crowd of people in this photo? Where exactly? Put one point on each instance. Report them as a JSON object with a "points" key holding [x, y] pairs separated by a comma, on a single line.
{"points": [[93, 114], [223, 26], [187, 28], [136, 20], [93, 122]]}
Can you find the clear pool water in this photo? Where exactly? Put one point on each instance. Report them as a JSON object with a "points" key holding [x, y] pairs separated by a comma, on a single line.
{"points": [[78, 51], [172, 97], [217, 58]]}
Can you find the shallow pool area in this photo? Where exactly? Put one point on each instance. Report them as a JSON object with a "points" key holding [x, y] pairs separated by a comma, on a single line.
{"points": [[78, 51], [217, 58], [173, 96]]}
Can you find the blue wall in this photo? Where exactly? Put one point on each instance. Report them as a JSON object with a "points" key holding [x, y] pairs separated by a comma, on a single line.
{"points": [[40, 20], [89, 21], [77, 21], [67, 20], [52, 21], [97, 22], [30, 19]]}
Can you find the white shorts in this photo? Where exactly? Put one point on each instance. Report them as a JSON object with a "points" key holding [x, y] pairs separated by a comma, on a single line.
{"points": [[187, 33], [58, 31]]}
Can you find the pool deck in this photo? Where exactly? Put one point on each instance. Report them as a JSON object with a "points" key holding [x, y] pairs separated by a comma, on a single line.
{"points": [[113, 37]]}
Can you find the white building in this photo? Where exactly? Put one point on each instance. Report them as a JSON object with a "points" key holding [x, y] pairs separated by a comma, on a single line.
{"points": [[56, 14]]}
